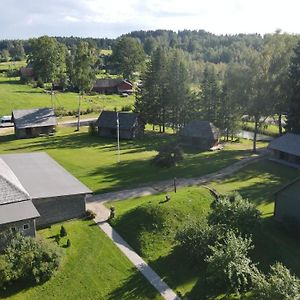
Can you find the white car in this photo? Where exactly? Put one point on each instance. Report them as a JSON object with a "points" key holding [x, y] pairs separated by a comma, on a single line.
{"points": [[6, 121]]}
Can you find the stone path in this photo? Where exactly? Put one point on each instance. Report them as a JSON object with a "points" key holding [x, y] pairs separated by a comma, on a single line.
{"points": [[101, 218]]}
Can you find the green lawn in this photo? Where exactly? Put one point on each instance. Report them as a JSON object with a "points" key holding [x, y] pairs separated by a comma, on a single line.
{"points": [[93, 160], [16, 95], [93, 268], [149, 225]]}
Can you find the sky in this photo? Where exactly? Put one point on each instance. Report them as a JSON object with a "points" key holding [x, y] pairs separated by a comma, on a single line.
{"points": [[111, 18]]}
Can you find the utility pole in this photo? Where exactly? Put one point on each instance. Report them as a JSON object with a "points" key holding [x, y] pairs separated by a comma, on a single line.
{"points": [[78, 120], [118, 136]]}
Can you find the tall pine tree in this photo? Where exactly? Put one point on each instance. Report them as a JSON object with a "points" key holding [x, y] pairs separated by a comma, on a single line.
{"points": [[293, 116]]}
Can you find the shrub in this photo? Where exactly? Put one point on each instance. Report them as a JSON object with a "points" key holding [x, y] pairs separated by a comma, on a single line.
{"points": [[195, 238], [63, 231], [90, 214], [278, 284], [93, 129], [68, 243], [57, 239], [229, 267], [168, 156], [32, 259], [126, 108], [235, 213]]}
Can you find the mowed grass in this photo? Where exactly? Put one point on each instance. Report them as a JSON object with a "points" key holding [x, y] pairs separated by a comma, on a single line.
{"points": [[139, 222], [92, 268], [16, 95], [93, 160]]}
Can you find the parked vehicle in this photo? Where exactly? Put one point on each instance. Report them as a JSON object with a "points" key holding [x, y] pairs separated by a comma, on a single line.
{"points": [[6, 121]]}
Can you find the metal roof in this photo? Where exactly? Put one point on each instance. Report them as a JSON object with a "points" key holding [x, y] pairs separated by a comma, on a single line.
{"points": [[17, 211], [107, 82], [43, 177], [11, 190], [200, 129], [39, 117], [108, 119], [288, 143]]}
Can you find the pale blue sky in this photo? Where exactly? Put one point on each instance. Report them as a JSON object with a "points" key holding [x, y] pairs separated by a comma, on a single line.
{"points": [[111, 18]]}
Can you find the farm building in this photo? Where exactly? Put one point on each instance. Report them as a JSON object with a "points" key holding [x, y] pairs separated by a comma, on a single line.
{"points": [[130, 126], [112, 86], [286, 148], [26, 73], [37, 191], [287, 202], [34, 122], [200, 134]]}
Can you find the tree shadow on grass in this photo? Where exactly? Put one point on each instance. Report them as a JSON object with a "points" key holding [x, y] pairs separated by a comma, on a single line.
{"points": [[134, 287]]}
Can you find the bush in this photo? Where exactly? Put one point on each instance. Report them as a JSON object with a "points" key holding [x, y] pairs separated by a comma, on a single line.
{"points": [[93, 130], [229, 267], [235, 213], [68, 243], [168, 156], [196, 237], [31, 259], [278, 284], [63, 231], [126, 108], [90, 214]]}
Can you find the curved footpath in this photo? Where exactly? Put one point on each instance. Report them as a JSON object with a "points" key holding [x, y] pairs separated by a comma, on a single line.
{"points": [[96, 204]]}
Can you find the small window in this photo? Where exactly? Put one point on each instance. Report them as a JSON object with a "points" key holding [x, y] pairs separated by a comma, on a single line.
{"points": [[13, 229], [26, 226]]}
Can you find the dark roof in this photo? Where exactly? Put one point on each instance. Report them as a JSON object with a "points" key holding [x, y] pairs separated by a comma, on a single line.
{"points": [[11, 189], [43, 177], [288, 143], [201, 129], [108, 119], [39, 117], [107, 83], [17, 211]]}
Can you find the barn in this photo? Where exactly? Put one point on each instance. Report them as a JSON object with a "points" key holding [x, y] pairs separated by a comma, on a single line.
{"points": [[113, 86], [54, 193], [286, 148], [130, 125], [34, 122], [201, 134]]}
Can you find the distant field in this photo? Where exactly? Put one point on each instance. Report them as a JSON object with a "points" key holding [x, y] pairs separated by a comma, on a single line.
{"points": [[15, 95], [93, 268]]}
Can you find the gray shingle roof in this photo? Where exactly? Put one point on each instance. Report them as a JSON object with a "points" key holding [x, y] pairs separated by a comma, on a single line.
{"points": [[43, 177], [18, 211], [201, 129], [39, 117], [288, 143], [11, 190], [108, 119]]}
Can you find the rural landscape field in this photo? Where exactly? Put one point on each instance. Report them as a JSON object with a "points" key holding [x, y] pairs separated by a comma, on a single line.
{"points": [[149, 164]]}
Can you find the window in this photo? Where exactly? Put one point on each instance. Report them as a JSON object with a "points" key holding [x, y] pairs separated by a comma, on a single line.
{"points": [[26, 226], [13, 229]]}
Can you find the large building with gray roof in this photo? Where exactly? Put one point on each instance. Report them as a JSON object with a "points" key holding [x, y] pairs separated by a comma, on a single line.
{"points": [[34, 122], [286, 148], [36, 191]]}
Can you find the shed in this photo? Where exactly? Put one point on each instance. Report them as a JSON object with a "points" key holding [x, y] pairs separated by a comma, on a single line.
{"points": [[287, 202], [54, 192], [286, 148], [201, 134], [26, 73], [130, 125], [34, 122]]}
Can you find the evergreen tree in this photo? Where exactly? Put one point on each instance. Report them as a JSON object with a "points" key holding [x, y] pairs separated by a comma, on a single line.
{"points": [[293, 116]]}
